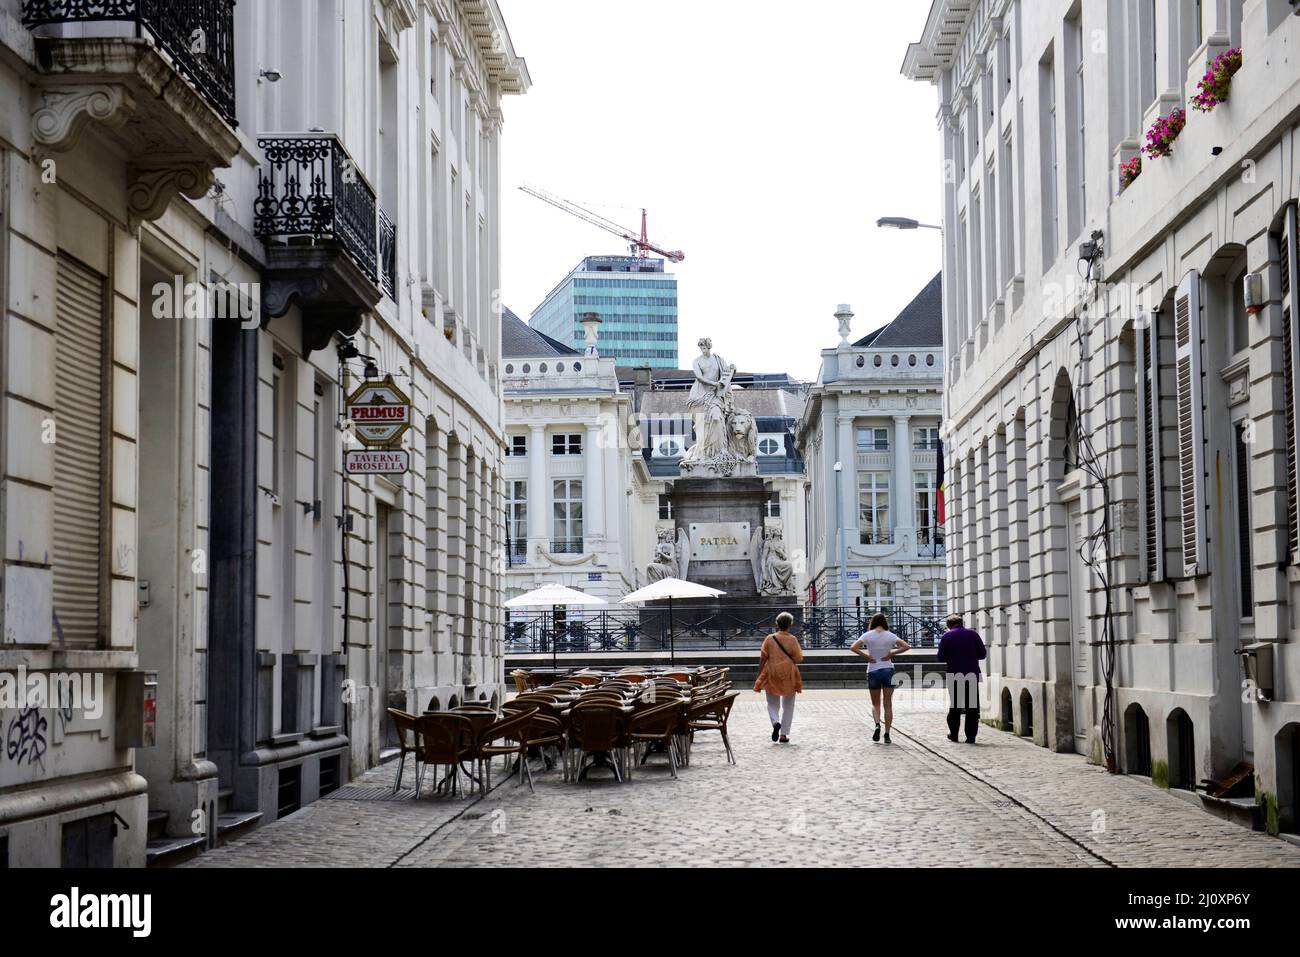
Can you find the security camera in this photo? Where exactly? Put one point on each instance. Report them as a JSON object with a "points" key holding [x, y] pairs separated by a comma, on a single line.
{"points": [[271, 76]]}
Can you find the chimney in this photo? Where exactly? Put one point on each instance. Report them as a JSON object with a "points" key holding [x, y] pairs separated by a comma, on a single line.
{"points": [[844, 313], [591, 326]]}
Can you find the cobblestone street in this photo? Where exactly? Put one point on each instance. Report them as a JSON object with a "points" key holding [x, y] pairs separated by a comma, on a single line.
{"points": [[829, 798]]}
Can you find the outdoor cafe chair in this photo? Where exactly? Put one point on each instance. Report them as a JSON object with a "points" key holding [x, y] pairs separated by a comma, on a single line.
{"points": [[597, 728], [520, 678], [655, 725], [445, 739], [546, 731], [511, 730], [711, 715], [407, 739]]}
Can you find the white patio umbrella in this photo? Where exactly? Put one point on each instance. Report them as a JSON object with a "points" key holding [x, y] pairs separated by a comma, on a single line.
{"points": [[671, 588], [555, 596]]}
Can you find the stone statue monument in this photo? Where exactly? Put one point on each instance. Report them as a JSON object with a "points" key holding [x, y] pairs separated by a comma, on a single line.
{"points": [[671, 559], [773, 570], [726, 438]]}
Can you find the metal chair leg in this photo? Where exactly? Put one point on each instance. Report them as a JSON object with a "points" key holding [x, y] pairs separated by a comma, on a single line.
{"points": [[401, 766], [672, 760], [726, 743]]}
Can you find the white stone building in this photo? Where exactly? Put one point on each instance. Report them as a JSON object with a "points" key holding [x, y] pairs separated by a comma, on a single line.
{"points": [[1123, 509], [591, 454], [326, 171], [874, 542], [572, 477]]}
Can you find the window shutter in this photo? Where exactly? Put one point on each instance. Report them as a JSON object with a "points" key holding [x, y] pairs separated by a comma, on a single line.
{"points": [[1191, 427], [1290, 364], [1150, 461], [78, 452]]}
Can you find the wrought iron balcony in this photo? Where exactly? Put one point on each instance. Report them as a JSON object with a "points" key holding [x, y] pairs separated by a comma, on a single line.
{"points": [[309, 188], [566, 546], [869, 537], [516, 552], [388, 255], [197, 35]]}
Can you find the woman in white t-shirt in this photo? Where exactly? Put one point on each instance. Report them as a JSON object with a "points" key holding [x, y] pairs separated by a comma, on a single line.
{"points": [[879, 645]]}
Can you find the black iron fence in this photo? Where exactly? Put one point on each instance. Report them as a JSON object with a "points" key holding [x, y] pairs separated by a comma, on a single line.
{"points": [[566, 546], [310, 187], [737, 627], [198, 36]]}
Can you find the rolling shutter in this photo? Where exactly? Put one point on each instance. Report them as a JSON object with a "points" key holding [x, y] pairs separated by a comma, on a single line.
{"points": [[1290, 363], [78, 452], [1191, 424], [1150, 460]]}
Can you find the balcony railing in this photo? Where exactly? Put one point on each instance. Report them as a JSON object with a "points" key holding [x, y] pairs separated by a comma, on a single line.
{"points": [[566, 546], [875, 538], [198, 36], [309, 187], [646, 629], [388, 255], [516, 552]]}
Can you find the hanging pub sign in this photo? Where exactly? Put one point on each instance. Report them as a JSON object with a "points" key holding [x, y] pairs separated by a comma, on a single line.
{"points": [[377, 461], [380, 413]]}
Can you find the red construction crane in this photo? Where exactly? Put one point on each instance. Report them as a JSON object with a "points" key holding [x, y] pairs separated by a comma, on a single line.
{"points": [[640, 245]]}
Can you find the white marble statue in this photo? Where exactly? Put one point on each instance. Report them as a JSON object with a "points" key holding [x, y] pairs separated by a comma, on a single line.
{"points": [[726, 438], [773, 570]]}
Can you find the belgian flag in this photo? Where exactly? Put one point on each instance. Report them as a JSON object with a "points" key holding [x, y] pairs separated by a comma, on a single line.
{"points": [[940, 510]]}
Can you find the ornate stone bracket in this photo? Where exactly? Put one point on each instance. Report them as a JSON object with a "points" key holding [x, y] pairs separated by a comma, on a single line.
{"points": [[331, 291], [58, 122], [153, 188]]}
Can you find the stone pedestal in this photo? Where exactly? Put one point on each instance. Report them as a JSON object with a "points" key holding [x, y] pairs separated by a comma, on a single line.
{"points": [[701, 506]]}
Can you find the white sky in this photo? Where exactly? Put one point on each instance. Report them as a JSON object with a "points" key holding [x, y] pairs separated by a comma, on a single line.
{"points": [[765, 139]]}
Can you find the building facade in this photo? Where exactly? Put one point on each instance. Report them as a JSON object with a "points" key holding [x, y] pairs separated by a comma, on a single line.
{"points": [[637, 303], [195, 285], [1121, 405], [571, 474], [874, 540]]}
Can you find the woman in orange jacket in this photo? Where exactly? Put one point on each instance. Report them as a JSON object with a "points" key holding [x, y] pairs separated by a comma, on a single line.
{"points": [[778, 675]]}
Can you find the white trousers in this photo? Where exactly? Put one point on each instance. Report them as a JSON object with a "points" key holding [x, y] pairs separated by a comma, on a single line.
{"points": [[781, 708]]}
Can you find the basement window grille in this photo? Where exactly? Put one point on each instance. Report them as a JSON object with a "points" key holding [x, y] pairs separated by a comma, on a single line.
{"points": [[329, 774], [289, 791]]}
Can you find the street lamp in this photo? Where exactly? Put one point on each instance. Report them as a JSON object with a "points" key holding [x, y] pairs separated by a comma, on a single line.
{"points": [[901, 222]]}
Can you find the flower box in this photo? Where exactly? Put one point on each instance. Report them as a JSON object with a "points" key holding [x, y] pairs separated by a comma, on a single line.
{"points": [[1129, 171], [1217, 82], [1163, 132]]}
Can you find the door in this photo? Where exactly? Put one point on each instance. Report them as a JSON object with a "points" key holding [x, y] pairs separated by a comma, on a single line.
{"points": [[1080, 649]]}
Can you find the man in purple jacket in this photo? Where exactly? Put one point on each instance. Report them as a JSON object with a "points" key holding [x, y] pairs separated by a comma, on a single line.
{"points": [[961, 650]]}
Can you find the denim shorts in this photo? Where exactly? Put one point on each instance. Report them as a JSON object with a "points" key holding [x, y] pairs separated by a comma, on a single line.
{"points": [[880, 678]]}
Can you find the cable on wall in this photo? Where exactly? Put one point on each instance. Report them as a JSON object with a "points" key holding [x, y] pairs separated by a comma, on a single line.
{"points": [[1095, 550]]}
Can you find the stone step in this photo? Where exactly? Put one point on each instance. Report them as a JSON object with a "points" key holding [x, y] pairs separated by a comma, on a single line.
{"points": [[233, 823], [224, 797], [157, 824], [170, 851]]}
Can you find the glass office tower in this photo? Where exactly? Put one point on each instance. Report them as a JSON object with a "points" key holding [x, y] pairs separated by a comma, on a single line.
{"points": [[635, 299]]}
